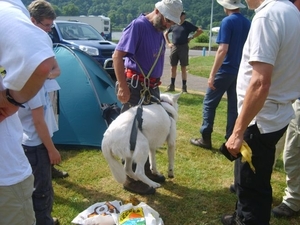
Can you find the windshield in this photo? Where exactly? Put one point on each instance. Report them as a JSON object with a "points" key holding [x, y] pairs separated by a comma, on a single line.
{"points": [[73, 31]]}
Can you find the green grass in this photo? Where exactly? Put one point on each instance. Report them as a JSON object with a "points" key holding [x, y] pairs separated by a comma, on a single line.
{"points": [[201, 66], [198, 195]]}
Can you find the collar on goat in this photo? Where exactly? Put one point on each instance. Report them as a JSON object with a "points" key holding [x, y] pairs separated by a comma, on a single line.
{"points": [[134, 129]]}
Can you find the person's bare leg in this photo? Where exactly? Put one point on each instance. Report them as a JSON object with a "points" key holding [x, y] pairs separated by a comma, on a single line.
{"points": [[184, 78], [171, 87], [173, 71]]}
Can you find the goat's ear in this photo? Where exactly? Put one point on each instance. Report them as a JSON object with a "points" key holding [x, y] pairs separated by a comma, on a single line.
{"points": [[176, 96]]}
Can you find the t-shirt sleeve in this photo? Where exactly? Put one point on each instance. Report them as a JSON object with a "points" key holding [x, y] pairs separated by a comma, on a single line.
{"points": [[224, 34], [33, 47]]}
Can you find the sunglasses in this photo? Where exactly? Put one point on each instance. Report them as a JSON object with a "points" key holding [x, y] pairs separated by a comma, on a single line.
{"points": [[47, 25]]}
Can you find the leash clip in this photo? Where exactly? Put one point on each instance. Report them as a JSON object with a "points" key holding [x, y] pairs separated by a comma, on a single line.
{"points": [[134, 80]]}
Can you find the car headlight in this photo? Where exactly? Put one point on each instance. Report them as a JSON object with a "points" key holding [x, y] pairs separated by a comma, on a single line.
{"points": [[89, 50]]}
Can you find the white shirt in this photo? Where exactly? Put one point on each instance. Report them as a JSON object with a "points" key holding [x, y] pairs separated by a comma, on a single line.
{"points": [[34, 46], [30, 135], [274, 39]]}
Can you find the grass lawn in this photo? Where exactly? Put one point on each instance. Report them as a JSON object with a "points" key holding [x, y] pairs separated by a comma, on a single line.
{"points": [[198, 195]]}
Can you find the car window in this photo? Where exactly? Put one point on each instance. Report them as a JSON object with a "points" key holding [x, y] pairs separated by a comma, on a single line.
{"points": [[74, 31]]}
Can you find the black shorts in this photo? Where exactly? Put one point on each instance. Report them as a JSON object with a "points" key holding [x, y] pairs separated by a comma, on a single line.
{"points": [[179, 53]]}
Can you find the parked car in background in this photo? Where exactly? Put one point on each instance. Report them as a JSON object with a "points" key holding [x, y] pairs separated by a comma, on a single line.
{"points": [[86, 38]]}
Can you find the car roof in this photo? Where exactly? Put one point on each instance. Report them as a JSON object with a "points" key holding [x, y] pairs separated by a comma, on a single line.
{"points": [[69, 21]]}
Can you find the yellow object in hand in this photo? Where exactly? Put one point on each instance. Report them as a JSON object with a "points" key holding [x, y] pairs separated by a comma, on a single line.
{"points": [[247, 155]]}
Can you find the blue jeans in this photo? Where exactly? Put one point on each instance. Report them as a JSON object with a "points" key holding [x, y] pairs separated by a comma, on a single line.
{"points": [[254, 190], [42, 196], [223, 83]]}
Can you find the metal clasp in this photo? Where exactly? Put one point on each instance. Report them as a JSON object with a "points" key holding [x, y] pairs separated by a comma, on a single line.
{"points": [[134, 80]]}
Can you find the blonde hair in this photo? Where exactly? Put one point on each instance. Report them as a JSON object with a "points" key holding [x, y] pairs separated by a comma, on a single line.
{"points": [[40, 10]]}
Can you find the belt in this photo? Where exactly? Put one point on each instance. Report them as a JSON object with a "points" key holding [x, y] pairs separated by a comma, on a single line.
{"points": [[150, 82]]}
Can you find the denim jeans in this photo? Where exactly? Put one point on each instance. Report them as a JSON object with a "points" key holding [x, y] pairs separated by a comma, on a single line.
{"points": [[42, 196], [223, 83], [254, 190]]}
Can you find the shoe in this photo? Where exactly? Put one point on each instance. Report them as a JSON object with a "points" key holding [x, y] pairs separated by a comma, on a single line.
{"points": [[228, 220], [184, 89], [283, 210], [232, 189], [231, 220], [138, 187], [55, 221], [171, 87], [58, 173], [156, 177], [200, 142]]}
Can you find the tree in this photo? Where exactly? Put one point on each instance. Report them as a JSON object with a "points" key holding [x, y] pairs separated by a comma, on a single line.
{"points": [[70, 10]]}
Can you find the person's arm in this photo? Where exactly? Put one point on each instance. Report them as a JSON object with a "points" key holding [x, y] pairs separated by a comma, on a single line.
{"points": [[196, 34], [55, 72], [219, 58], [35, 82], [30, 89], [43, 132], [123, 90], [166, 35], [255, 98]]}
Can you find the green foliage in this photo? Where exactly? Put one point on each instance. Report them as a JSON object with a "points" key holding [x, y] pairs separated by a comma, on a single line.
{"points": [[203, 38], [70, 9], [198, 11]]}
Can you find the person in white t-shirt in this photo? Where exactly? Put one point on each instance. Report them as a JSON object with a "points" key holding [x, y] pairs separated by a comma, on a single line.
{"points": [[39, 124], [290, 205], [267, 84], [42, 14], [27, 56]]}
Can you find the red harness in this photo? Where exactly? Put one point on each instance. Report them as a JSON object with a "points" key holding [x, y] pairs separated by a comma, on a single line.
{"points": [[150, 82]]}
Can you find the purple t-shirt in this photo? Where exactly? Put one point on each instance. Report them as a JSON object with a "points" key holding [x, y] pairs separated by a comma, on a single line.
{"points": [[142, 42]]}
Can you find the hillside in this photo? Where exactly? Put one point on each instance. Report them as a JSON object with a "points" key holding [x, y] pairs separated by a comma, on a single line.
{"points": [[122, 12]]}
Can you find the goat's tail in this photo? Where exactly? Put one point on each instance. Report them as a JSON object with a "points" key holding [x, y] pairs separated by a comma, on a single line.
{"points": [[115, 166]]}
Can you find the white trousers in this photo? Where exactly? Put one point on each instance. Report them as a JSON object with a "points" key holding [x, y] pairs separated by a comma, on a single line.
{"points": [[291, 160]]}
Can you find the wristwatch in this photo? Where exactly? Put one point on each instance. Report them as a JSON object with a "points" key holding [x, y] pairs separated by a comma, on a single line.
{"points": [[12, 100]]}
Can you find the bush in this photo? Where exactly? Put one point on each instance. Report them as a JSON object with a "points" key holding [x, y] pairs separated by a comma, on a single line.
{"points": [[203, 38]]}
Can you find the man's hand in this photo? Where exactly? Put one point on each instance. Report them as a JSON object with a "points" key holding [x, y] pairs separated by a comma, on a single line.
{"points": [[234, 144], [123, 94], [210, 82]]}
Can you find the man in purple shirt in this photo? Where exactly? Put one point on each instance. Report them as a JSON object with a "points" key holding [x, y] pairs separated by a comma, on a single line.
{"points": [[142, 45]]}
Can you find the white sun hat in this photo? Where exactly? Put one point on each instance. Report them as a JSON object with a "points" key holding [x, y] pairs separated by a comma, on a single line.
{"points": [[231, 4], [171, 9]]}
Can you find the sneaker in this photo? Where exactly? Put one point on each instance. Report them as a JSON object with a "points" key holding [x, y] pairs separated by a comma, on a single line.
{"points": [[138, 187], [231, 220], [55, 221], [171, 87], [228, 220], [283, 210], [184, 89], [58, 173], [200, 142]]}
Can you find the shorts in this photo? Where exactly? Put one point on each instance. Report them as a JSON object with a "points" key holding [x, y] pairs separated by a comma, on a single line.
{"points": [[179, 53], [16, 203]]}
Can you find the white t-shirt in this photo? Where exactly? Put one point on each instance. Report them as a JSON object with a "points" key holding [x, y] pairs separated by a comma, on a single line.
{"points": [[274, 39], [30, 135], [34, 46], [20, 33]]}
